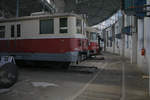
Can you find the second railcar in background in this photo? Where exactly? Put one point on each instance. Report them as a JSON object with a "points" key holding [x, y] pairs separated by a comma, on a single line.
{"points": [[56, 38], [92, 35]]}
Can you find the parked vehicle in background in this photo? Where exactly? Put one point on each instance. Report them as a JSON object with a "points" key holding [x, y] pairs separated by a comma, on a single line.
{"points": [[92, 35]]}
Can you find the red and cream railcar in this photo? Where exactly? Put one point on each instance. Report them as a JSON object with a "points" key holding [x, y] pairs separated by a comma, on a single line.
{"points": [[58, 37], [92, 34]]}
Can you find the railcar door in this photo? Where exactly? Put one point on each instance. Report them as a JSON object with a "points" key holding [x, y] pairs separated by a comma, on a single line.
{"points": [[15, 33], [13, 40], [18, 35], [63, 29]]}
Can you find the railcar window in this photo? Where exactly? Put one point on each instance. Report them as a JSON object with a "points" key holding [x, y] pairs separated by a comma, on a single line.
{"points": [[18, 30], [79, 26], [47, 26], [2, 31], [12, 31], [93, 36], [63, 25], [88, 35], [78, 22]]}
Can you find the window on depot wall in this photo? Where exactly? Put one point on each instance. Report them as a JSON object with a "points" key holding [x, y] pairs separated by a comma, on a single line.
{"points": [[63, 24], [110, 43], [47, 26], [127, 42], [107, 39], [2, 31]]}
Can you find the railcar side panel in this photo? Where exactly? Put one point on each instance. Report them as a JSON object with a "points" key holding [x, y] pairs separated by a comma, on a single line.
{"points": [[25, 41]]}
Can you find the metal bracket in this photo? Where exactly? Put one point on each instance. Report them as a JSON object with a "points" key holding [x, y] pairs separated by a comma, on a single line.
{"points": [[7, 59]]}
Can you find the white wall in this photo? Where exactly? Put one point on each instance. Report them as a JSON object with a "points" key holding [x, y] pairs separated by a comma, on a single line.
{"points": [[138, 40], [128, 41], [128, 46], [147, 42], [141, 60], [109, 34], [116, 43], [118, 46]]}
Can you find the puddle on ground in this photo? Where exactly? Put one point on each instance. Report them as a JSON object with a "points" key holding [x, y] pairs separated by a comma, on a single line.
{"points": [[43, 84]]}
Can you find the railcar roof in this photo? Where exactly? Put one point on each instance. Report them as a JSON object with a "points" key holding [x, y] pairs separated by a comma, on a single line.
{"points": [[38, 17], [91, 29]]}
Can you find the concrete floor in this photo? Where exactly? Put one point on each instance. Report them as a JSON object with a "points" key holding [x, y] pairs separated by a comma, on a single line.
{"points": [[104, 83]]}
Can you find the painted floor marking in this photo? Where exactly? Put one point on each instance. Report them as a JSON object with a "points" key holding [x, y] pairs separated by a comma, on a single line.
{"points": [[85, 87]]}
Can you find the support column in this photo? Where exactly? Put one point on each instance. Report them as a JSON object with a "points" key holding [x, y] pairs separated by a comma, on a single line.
{"points": [[134, 40], [123, 35], [113, 37], [105, 43], [146, 29], [140, 41], [17, 8]]}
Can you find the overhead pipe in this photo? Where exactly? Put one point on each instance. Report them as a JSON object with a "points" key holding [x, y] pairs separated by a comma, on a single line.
{"points": [[17, 8]]}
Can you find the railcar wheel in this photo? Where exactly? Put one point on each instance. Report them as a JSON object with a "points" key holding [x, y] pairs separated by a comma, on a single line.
{"points": [[8, 75], [79, 59], [66, 65]]}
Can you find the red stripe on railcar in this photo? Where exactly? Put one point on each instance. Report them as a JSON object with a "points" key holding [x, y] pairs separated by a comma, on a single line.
{"points": [[60, 45], [93, 45]]}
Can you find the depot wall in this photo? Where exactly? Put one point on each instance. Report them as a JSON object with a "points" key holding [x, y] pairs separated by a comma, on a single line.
{"points": [[145, 60], [134, 43]]}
